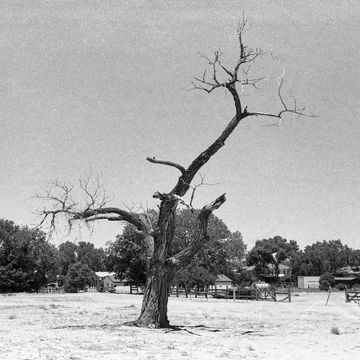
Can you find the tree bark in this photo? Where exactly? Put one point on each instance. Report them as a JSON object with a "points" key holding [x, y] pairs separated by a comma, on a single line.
{"points": [[160, 272], [162, 267], [155, 301]]}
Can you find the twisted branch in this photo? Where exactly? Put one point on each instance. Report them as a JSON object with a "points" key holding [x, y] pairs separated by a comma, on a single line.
{"points": [[168, 163], [201, 235]]}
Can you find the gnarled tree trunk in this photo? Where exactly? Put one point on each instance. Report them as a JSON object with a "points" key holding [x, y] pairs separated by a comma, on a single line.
{"points": [[155, 300], [160, 271]]}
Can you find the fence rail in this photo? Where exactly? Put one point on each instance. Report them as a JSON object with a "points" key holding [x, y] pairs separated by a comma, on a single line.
{"points": [[352, 295], [50, 290], [236, 293]]}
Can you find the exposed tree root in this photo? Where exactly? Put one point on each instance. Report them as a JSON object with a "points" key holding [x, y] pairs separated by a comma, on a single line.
{"points": [[180, 328]]}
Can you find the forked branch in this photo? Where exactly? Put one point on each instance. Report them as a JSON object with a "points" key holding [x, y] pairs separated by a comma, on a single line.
{"points": [[201, 235], [286, 109], [229, 77], [62, 204], [221, 76]]}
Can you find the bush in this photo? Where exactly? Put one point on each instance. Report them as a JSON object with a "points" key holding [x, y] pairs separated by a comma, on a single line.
{"points": [[69, 288], [341, 286], [324, 285], [326, 281]]}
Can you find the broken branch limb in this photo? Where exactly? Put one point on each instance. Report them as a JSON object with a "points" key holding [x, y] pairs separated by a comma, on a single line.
{"points": [[201, 235], [168, 163]]}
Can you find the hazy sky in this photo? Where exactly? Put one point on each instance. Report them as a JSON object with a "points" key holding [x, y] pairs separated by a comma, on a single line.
{"points": [[101, 85]]}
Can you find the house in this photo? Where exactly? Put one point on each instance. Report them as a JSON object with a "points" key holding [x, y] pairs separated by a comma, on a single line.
{"points": [[308, 282], [269, 269], [110, 283], [283, 269], [106, 281], [268, 273], [348, 277], [97, 280], [222, 282]]}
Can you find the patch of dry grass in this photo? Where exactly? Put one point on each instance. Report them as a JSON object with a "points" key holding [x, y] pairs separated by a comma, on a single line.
{"points": [[89, 326]]}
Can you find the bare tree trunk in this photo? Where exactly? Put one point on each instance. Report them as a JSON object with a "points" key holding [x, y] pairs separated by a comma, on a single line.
{"points": [[155, 300], [160, 270], [162, 267]]}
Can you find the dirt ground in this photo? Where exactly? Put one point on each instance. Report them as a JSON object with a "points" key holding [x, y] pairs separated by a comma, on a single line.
{"points": [[89, 326]]}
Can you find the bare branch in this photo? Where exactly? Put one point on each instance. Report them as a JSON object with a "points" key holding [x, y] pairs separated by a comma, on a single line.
{"points": [[195, 187], [184, 181], [209, 83], [168, 163], [225, 69], [63, 206], [201, 235], [286, 109], [104, 217], [251, 82], [281, 82]]}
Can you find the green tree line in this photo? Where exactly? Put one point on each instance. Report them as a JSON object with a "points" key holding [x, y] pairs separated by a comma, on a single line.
{"points": [[28, 261]]}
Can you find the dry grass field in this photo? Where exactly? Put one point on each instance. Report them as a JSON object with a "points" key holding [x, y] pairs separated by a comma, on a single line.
{"points": [[89, 326]]}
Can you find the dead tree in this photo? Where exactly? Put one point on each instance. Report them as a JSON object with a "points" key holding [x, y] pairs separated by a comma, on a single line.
{"points": [[156, 242]]}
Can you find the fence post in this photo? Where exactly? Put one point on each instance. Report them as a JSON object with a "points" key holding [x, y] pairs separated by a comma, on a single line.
{"points": [[215, 291], [195, 292], [234, 289], [186, 291], [177, 290], [289, 293]]}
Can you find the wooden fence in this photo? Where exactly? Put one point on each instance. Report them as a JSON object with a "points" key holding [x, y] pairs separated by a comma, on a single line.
{"points": [[50, 290], [352, 295], [236, 293]]}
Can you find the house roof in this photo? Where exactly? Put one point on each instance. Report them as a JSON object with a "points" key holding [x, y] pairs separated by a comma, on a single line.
{"points": [[348, 270], [222, 278], [102, 274], [115, 279], [347, 278]]}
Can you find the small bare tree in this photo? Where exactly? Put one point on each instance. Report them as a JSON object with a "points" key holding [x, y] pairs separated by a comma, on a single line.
{"points": [[156, 242]]}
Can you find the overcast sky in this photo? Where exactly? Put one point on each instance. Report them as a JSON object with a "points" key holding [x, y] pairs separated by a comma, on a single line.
{"points": [[101, 85]]}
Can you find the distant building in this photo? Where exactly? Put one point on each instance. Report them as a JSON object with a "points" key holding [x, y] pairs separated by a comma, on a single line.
{"points": [[348, 276], [110, 282], [283, 269], [308, 282], [221, 282], [270, 269], [106, 281], [351, 282]]}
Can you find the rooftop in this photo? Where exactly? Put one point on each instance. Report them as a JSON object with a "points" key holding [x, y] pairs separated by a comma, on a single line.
{"points": [[222, 278], [102, 274]]}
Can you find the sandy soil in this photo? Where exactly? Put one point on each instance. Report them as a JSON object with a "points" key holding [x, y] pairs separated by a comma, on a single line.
{"points": [[88, 326]]}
